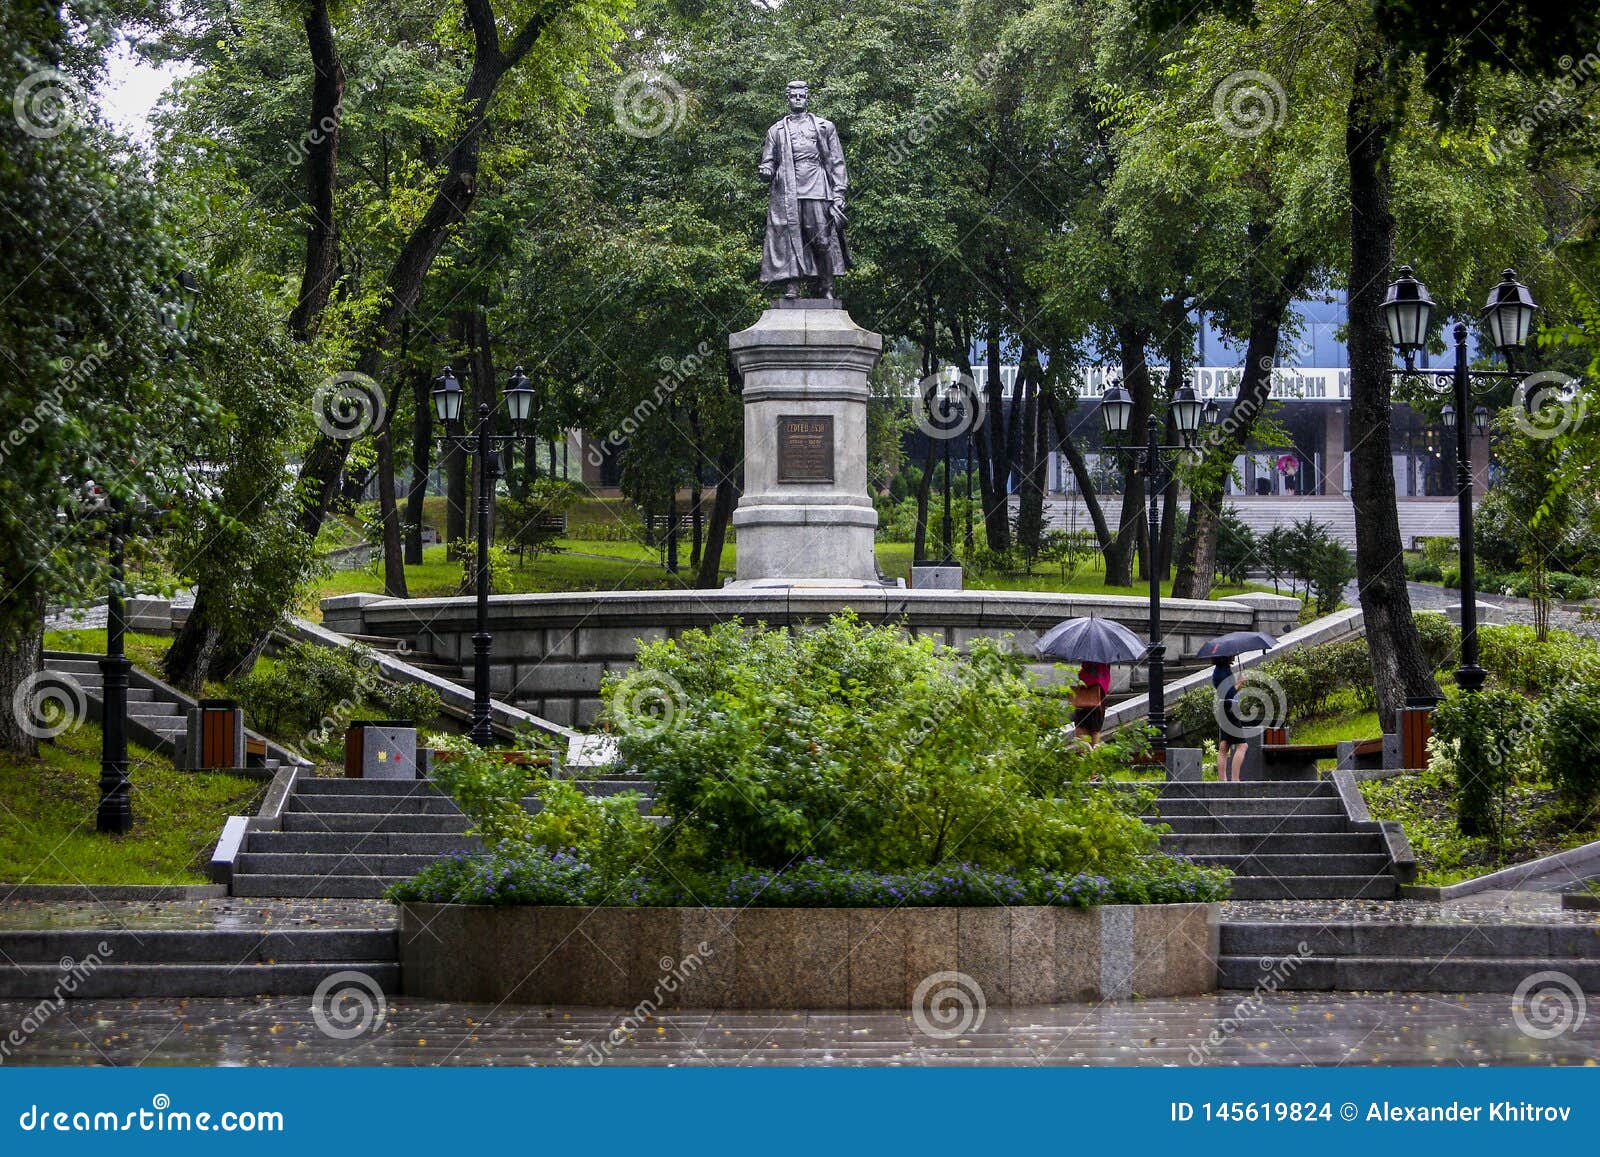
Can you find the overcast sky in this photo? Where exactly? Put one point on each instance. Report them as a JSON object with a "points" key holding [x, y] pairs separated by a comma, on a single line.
{"points": [[132, 91]]}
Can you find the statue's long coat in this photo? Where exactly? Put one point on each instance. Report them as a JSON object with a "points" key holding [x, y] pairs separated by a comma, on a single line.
{"points": [[783, 256]]}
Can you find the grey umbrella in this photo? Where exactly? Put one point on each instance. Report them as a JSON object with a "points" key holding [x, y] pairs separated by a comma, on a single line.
{"points": [[1235, 643], [1090, 641]]}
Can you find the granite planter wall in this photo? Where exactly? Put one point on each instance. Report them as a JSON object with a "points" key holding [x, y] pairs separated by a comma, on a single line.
{"points": [[813, 958], [552, 651]]}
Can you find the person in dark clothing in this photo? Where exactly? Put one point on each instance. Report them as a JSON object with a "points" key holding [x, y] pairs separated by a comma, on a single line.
{"points": [[1233, 735]]}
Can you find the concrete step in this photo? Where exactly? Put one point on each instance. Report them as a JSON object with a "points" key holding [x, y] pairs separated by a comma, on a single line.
{"points": [[1304, 843], [1272, 805], [122, 981], [364, 843], [418, 803], [1404, 974], [152, 708], [330, 785], [90, 666], [354, 863], [356, 887], [1282, 789], [1248, 825], [1375, 887], [1434, 940], [298, 821], [223, 946], [1368, 864]]}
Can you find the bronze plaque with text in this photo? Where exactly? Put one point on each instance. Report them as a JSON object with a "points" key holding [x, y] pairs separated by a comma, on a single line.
{"points": [[805, 448]]}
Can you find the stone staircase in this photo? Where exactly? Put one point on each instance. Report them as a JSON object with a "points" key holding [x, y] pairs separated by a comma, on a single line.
{"points": [[1284, 840], [157, 714], [1439, 956], [119, 963], [354, 837]]}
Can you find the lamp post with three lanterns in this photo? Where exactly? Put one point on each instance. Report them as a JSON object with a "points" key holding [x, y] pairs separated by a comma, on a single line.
{"points": [[488, 446], [1189, 415], [1508, 314]]}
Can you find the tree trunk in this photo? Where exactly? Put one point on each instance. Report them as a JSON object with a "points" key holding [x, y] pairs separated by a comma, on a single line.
{"points": [[727, 497], [994, 475], [188, 660], [1035, 460], [21, 656], [394, 563], [452, 200], [1080, 471], [1131, 519], [919, 541], [421, 463], [1398, 668], [1270, 296], [321, 270]]}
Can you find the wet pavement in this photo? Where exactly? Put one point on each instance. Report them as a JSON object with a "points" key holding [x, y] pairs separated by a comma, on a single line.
{"points": [[226, 914], [1227, 1029]]}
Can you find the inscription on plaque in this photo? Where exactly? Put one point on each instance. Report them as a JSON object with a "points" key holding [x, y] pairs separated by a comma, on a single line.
{"points": [[805, 448]]}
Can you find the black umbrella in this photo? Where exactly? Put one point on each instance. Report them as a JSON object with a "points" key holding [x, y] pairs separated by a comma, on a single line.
{"points": [[1235, 643], [1090, 641]]}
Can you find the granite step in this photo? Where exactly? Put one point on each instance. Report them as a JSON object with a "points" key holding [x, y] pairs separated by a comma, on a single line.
{"points": [[365, 843], [419, 803], [1266, 844], [1313, 805], [1435, 940], [222, 946], [1403, 974], [1301, 866], [347, 886], [1281, 789], [1374, 887], [299, 821], [354, 863], [123, 981], [1250, 825]]}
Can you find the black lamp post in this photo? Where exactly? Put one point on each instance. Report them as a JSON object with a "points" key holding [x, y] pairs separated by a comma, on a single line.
{"points": [[488, 446], [1116, 412], [1508, 314], [955, 407], [114, 813]]}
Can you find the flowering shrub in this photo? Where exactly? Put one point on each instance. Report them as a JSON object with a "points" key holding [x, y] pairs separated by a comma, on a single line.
{"points": [[872, 750], [522, 873]]}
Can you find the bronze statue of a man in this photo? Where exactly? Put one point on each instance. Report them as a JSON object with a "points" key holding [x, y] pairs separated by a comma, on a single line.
{"points": [[804, 164]]}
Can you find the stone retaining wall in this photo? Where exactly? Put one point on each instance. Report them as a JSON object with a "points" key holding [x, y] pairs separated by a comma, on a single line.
{"points": [[551, 651], [813, 958]]}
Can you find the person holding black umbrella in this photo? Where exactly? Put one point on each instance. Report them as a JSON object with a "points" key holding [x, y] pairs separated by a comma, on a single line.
{"points": [[1233, 733], [1089, 701], [1232, 738]]}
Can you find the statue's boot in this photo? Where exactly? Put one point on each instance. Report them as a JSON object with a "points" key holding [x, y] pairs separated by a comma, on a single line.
{"points": [[825, 285], [791, 290]]}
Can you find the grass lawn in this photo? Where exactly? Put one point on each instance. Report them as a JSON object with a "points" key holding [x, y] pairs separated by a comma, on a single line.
{"points": [[144, 650], [48, 836], [594, 565], [1536, 825]]}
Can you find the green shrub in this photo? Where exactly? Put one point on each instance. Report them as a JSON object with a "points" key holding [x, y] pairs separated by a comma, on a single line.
{"points": [[1571, 744], [517, 873], [869, 749], [310, 688], [607, 833], [1237, 546], [1516, 658], [1441, 641], [1330, 567], [416, 702], [1192, 715], [1483, 738], [1423, 570]]}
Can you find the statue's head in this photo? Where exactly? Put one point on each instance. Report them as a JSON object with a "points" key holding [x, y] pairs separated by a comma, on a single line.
{"points": [[799, 94]]}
